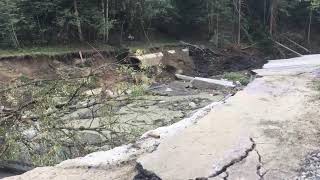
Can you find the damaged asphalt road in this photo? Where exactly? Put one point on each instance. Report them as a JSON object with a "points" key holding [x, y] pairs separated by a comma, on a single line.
{"points": [[263, 132]]}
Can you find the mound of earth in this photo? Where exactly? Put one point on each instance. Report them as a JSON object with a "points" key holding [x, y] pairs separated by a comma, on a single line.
{"points": [[209, 63]]}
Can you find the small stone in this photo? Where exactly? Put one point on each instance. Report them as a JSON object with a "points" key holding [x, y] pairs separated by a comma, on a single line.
{"points": [[110, 93], [93, 92], [30, 133], [154, 135], [238, 83], [185, 50], [90, 137], [129, 92], [193, 105], [169, 90], [172, 51]]}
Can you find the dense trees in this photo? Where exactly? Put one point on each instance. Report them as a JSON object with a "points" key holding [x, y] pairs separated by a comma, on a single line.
{"points": [[220, 21]]}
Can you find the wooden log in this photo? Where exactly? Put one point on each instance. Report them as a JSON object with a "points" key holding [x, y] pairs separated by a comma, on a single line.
{"points": [[206, 83], [185, 78], [295, 52], [300, 46]]}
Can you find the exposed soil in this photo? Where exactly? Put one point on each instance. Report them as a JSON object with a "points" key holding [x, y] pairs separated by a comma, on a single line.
{"points": [[209, 63], [204, 62]]}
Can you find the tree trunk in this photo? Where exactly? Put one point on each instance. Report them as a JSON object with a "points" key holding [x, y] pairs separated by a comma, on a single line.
{"points": [[271, 19], [264, 12], [15, 38], [107, 20], [76, 14], [217, 31], [209, 19], [103, 8], [273, 15], [309, 26], [239, 22]]}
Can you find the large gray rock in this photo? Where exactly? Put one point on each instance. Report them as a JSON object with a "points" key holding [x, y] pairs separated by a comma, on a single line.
{"points": [[90, 137], [148, 60]]}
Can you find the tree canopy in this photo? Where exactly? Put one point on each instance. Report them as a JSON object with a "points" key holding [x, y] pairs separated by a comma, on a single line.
{"points": [[24, 22]]}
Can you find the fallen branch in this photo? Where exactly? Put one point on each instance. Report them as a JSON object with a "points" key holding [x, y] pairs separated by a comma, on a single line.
{"points": [[188, 44], [307, 50], [208, 83], [295, 52]]}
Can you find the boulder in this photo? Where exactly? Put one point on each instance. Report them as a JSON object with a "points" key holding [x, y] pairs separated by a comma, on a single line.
{"points": [[149, 60], [90, 137]]}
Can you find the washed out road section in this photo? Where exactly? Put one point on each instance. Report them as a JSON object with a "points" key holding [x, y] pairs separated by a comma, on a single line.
{"points": [[270, 130]]}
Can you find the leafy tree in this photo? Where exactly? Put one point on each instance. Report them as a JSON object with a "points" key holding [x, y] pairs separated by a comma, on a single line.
{"points": [[10, 21]]}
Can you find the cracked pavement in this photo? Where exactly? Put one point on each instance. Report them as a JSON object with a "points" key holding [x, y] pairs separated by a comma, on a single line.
{"points": [[263, 132], [268, 131]]}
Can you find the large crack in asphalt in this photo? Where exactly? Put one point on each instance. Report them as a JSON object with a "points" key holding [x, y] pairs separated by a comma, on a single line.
{"points": [[226, 176], [259, 171], [246, 153], [144, 174]]}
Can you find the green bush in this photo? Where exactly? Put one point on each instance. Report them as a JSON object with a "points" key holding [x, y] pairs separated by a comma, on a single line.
{"points": [[237, 76]]}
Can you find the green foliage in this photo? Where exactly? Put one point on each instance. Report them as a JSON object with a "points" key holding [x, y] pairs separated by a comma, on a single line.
{"points": [[315, 4], [161, 10], [25, 22], [138, 90], [237, 76]]}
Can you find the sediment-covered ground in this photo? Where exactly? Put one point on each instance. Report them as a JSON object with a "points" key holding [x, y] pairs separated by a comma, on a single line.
{"points": [[267, 131], [68, 106]]}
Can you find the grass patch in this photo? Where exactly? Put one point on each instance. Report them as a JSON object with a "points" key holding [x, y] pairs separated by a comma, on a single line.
{"points": [[237, 76], [316, 86], [138, 90], [50, 50], [64, 49]]}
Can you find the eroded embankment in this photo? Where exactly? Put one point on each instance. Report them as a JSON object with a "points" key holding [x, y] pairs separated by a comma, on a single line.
{"points": [[68, 109]]}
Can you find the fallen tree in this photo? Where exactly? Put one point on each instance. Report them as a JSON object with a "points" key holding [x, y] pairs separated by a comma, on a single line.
{"points": [[206, 83]]}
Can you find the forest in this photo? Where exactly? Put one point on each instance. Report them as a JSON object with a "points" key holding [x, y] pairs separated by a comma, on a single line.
{"points": [[222, 22]]}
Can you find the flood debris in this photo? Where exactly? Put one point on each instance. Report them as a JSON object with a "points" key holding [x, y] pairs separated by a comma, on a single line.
{"points": [[154, 59], [206, 83], [105, 104]]}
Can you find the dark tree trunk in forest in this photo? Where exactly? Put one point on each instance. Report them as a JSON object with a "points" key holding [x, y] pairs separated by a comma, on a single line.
{"points": [[107, 21], [273, 16], [15, 37], [239, 22], [78, 20], [309, 25], [103, 9], [264, 12]]}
